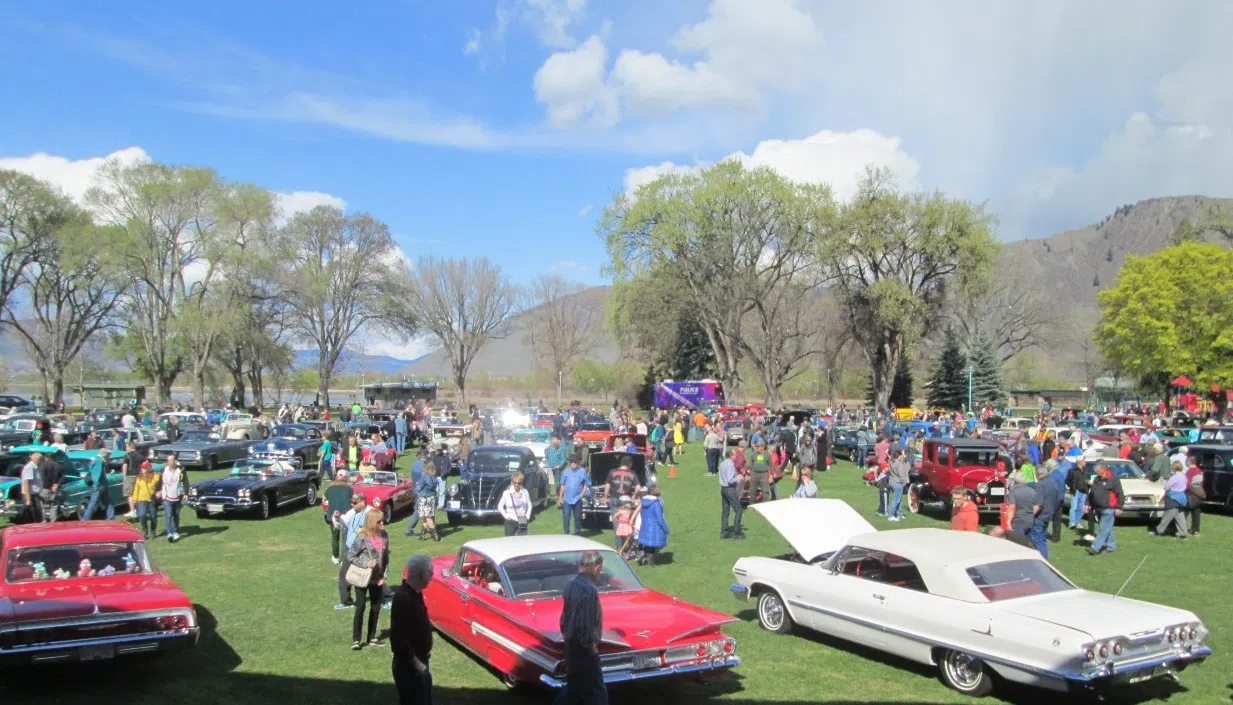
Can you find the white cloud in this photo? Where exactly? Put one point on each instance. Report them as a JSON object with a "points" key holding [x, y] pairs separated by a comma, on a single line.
{"points": [[835, 158], [569, 266], [74, 177], [745, 52], [474, 42], [584, 210], [550, 20], [571, 84], [400, 349], [293, 202]]}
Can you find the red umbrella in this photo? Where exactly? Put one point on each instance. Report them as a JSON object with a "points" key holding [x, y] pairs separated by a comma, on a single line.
{"points": [[1181, 381]]}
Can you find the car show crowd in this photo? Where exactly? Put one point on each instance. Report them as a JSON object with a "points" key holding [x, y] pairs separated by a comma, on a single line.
{"points": [[1079, 469]]}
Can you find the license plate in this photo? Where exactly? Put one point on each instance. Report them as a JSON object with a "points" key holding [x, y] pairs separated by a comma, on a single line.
{"points": [[645, 661], [214, 508], [1148, 674], [96, 653], [997, 491], [454, 504]]}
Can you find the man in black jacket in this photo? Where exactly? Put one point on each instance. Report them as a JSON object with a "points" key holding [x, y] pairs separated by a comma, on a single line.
{"points": [[411, 634], [1106, 499], [51, 476]]}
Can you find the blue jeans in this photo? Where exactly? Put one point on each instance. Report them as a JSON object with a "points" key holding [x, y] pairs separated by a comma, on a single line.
{"points": [[1040, 535], [1104, 537], [171, 516], [147, 515], [440, 493], [1077, 505], [860, 456], [896, 505], [574, 510], [883, 500], [97, 497], [400, 443]]}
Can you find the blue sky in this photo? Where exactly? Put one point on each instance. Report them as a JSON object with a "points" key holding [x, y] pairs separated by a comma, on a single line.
{"points": [[503, 128]]}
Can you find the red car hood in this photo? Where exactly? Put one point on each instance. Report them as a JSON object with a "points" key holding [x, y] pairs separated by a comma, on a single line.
{"points": [[80, 597], [641, 619]]}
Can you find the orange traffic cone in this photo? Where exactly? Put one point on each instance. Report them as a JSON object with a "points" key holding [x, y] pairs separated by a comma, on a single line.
{"points": [[671, 471]]}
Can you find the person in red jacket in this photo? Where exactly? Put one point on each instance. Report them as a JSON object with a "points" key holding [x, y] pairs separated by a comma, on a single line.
{"points": [[1105, 499], [963, 516]]}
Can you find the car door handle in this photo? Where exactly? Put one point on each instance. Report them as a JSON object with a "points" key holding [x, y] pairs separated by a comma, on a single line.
{"points": [[879, 597]]}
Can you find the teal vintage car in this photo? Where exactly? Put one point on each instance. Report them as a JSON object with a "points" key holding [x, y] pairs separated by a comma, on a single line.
{"points": [[76, 487]]}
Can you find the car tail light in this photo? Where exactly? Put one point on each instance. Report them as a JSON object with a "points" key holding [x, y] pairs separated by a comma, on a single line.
{"points": [[1088, 654], [1104, 650], [701, 651], [1192, 634], [1170, 635], [729, 646], [1117, 649]]}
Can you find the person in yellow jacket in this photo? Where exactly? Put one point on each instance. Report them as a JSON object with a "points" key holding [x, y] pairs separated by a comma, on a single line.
{"points": [[678, 437], [145, 486]]}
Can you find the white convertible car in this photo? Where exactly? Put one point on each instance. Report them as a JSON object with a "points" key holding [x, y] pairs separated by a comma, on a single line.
{"points": [[973, 605]]}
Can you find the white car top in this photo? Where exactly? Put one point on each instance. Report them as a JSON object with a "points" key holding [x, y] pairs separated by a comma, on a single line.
{"points": [[504, 548]]}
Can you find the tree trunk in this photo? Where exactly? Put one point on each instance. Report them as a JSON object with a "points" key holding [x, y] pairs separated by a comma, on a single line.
{"points": [[163, 390], [57, 386], [323, 375], [882, 365], [254, 379], [46, 375], [460, 379], [199, 387]]}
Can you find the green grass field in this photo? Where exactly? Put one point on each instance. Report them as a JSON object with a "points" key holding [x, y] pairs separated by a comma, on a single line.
{"points": [[265, 590]]}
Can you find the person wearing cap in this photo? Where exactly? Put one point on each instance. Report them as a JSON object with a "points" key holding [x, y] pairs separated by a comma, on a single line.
{"points": [[1077, 483], [411, 634], [337, 500], [575, 483], [145, 487], [350, 522]]}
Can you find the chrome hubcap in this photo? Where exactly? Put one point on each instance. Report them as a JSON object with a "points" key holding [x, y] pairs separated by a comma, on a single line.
{"points": [[772, 612], [965, 671]]}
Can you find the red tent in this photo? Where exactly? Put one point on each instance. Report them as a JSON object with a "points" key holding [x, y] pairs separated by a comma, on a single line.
{"points": [[1181, 381]]}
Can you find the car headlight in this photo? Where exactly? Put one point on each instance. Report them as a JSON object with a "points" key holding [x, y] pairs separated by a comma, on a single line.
{"points": [[453, 492], [376, 502], [197, 455], [243, 493], [252, 449], [982, 488], [192, 492]]}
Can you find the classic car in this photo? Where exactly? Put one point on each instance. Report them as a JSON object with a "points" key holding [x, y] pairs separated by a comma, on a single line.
{"points": [[143, 438], [16, 403], [76, 489], [184, 419], [1018, 423], [1144, 498], [104, 420], [86, 591], [204, 449], [1216, 462], [597, 505], [978, 466], [388, 492], [294, 443], [548, 421], [732, 413], [536, 440], [1216, 435], [500, 599], [255, 485], [241, 427], [18, 429], [734, 432], [970, 604], [487, 474], [592, 433], [844, 442], [640, 441]]}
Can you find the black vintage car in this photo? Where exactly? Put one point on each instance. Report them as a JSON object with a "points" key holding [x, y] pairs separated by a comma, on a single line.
{"points": [[205, 449], [597, 506], [103, 420], [1216, 461], [489, 469], [18, 430], [298, 444], [255, 486]]}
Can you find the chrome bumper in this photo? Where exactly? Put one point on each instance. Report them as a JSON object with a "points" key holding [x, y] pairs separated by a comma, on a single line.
{"points": [[470, 511], [100, 649], [625, 675], [231, 504], [1139, 666]]}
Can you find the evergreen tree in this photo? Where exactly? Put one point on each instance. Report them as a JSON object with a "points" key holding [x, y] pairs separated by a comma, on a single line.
{"points": [[645, 394], [948, 388], [988, 386], [901, 388], [695, 358]]}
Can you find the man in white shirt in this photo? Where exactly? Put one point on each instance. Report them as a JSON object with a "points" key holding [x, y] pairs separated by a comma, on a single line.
{"points": [[172, 494], [128, 420]]}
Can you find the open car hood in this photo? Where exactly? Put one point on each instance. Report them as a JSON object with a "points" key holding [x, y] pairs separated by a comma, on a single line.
{"points": [[814, 526], [602, 464]]}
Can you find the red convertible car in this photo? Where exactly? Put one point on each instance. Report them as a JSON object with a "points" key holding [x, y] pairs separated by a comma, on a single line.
{"points": [[592, 434], [388, 492], [639, 440], [86, 591], [501, 600]]}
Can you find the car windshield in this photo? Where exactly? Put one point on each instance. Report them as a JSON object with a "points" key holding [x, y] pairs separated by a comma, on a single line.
{"points": [[36, 563], [494, 461], [199, 437], [968, 456], [1125, 469], [374, 478], [290, 432], [19, 425], [532, 435], [1006, 580], [239, 417], [1220, 435], [258, 468], [595, 426], [545, 575]]}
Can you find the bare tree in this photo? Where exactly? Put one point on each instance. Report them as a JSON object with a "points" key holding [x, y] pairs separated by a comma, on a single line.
{"points": [[463, 304], [562, 323], [339, 273], [1015, 320], [70, 294], [30, 211]]}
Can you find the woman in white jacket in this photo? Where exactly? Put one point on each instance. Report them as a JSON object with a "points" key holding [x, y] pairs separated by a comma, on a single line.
{"points": [[515, 507]]}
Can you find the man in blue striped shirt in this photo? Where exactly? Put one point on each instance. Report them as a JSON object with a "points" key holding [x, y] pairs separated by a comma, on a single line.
{"points": [[582, 623]]}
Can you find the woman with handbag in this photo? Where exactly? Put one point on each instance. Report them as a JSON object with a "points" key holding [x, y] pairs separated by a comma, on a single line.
{"points": [[515, 507], [367, 559]]}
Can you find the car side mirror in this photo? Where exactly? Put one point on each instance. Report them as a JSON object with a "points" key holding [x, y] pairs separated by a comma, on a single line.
{"points": [[445, 573]]}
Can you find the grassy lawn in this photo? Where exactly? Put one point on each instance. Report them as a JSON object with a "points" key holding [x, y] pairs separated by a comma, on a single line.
{"points": [[265, 592]]}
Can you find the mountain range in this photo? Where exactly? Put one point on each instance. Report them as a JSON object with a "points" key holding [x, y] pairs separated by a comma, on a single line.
{"points": [[350, 362]]}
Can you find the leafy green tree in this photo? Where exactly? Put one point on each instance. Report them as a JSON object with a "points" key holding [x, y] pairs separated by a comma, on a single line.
{"points": [[900, 263], [988, 385], [1171, 311], [30, 211], [948, 388]]}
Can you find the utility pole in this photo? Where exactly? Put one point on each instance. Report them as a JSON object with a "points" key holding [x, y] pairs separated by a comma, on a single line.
{"points": [[969, 388], [560, 383]]}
